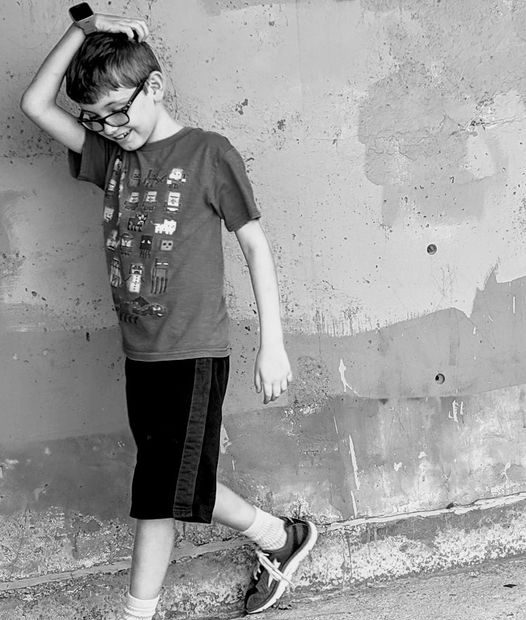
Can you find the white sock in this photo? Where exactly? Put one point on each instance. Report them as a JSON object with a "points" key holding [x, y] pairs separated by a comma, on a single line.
{"points": [[267, 531], [139, 609]]}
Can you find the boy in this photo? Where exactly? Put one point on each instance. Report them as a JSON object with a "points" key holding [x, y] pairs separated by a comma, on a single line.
{"points": [[167, 188]]}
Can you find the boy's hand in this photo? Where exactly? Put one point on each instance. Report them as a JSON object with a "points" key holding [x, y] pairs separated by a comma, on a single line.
{"points": [[113, 23], [272, 373]]}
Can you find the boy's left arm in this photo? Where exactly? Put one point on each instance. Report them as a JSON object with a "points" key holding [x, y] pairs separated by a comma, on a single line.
{"points": [[272, 373]]}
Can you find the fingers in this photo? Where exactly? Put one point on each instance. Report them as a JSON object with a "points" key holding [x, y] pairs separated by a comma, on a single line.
{"points": [[272, 374], [272, 391], [142, 30], [137, 29], [133, 28], [267, 393]]}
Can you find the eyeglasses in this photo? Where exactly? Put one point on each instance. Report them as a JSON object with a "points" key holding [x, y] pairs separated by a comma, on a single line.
{"points": [[115, 119]]}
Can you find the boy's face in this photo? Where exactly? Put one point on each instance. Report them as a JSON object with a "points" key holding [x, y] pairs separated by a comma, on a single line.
{"points": [[142, 111]]}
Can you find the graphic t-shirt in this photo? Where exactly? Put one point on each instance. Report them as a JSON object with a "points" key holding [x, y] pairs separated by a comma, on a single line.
{"points": [[163, 207]]}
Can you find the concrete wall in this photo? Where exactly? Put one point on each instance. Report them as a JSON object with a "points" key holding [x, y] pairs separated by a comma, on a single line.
{"points": [[385, 142]]}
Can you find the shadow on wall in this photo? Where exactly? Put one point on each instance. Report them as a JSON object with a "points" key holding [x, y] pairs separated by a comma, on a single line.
{"points": [[446, 352]]}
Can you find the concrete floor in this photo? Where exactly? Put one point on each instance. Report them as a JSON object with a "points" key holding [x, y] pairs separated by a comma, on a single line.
{"points": [[491, 591]]}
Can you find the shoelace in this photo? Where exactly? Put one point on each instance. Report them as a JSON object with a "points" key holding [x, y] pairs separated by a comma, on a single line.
{"points": [[274, 572]]}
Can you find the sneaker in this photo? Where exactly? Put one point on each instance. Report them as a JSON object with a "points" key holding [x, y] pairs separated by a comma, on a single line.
{"points": [[275, 568]]}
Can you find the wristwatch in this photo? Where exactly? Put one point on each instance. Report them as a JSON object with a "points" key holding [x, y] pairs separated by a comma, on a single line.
{"points": [[82, 16]]}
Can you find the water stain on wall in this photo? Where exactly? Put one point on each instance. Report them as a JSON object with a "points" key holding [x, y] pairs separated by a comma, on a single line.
{"points": [[416, 123], [416, 152], [476, 353], [10, 259]]}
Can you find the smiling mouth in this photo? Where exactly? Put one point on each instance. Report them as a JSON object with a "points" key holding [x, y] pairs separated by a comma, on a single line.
{"points": [[122, 136]]}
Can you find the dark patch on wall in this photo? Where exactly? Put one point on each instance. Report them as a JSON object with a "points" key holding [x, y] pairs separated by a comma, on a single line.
{"points": [[356, 456], [240, 107], [476, 353], [54, 384], [311, 449], [298, 448], [87, 475]]}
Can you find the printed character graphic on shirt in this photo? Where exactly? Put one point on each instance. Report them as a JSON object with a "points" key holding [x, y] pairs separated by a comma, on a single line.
{"points": [[132, 201], [130, 311], [173, 201], [150, 201], [112, 184], [116, 278], [112, 242], [126, 243], [109, 210], [167, 227], [145, 246], [134, 178], [137, 222], [166, 245], [176, 176], [159, 276], [134, 280], [115, 176]]}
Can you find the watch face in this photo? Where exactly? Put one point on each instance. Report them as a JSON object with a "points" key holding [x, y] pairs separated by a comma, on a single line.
{"points": [[80, 11]]}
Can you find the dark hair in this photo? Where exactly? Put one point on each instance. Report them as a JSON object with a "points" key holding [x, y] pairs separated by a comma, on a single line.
{"points": [[105, 62]]}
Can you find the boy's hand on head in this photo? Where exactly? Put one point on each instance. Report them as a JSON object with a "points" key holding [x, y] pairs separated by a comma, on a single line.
{"points": [[272, 373], [132, 27]]}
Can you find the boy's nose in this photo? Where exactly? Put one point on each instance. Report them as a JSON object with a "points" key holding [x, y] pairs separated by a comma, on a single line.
{"points": [[110, 130]]}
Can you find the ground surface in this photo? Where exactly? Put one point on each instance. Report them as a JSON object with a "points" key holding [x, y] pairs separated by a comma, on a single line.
{"points": [[491, 591]]}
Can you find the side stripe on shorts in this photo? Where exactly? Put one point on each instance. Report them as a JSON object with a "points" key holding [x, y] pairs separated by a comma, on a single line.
{"points": [[193, 447]]}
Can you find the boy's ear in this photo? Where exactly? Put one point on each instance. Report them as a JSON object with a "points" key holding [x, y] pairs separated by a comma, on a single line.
{"points": [[156, 85]]}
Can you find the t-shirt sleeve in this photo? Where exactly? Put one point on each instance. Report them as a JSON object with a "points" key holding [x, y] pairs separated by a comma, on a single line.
{"points": [[93, 163], [233, 196]]}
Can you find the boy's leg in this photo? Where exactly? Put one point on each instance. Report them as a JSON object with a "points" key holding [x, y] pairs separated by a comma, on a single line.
{"points": [[264, 529], [232, 510], [154, 539]]}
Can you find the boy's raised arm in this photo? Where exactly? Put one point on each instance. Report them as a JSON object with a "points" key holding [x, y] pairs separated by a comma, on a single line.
{"points": [[39, 101]]}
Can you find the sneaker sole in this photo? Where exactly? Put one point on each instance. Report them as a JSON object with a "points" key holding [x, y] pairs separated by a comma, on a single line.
{"points": [[294, 562]]}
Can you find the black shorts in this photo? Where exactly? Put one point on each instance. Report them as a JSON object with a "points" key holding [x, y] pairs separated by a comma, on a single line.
{"points": [[175, 410]]}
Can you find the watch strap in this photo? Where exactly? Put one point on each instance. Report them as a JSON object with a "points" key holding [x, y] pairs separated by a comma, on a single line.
{"points": [[87, 25]]}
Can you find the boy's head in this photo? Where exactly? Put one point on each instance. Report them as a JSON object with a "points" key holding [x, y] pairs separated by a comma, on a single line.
{"points": [[112, 74], [106, 62]]}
